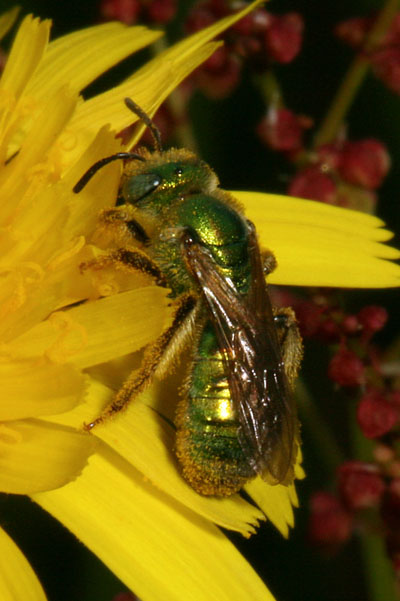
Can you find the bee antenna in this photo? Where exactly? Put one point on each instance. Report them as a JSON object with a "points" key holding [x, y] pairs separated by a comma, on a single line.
{"points": [[139, 112], [95, 168]]}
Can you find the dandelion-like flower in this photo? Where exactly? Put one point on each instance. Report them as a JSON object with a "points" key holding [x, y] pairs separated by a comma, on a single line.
{"points": [[118, 489]]}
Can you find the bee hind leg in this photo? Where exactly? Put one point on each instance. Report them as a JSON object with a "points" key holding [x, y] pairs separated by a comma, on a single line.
{"points": [[127, 260], [154, 360], [290, 341]]}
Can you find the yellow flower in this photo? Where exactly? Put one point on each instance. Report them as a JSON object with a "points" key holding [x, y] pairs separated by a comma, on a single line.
{"points": [[118, 489]]}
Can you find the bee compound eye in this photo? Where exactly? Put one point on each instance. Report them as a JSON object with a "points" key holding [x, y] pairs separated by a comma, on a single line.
{"points": [[139, 186]]}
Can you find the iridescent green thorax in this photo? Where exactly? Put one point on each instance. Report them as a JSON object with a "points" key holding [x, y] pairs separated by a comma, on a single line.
{"points": [[174, 190]]}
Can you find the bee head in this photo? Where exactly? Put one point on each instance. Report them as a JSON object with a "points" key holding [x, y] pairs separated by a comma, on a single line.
{"points": [[166, 176]]}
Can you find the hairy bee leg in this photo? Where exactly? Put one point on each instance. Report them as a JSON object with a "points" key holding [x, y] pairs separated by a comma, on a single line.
{"points": [[290, 341], [129, 260], [121, 220], [269, 262], [153, 359]]}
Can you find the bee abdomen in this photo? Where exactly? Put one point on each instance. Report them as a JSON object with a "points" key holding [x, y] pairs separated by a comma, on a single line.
{"points": [[207, 443]]}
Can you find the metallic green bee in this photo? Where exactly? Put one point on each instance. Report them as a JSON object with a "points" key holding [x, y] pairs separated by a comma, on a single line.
{"points": [[237, 418]]}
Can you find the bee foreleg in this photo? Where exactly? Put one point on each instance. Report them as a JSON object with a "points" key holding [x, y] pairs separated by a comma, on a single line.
{"points": [[121, 221], [290, 341], [128, 260], [152, 362]]}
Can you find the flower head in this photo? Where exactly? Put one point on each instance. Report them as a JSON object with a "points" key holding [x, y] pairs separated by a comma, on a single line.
{"points": [[67, 337]]}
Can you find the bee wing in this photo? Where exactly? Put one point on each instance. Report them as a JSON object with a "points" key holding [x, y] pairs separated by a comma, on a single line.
{"points": [[249, 345]]}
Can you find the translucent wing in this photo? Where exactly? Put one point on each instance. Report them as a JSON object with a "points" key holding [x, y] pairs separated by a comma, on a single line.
{"points": [[249, 344]]}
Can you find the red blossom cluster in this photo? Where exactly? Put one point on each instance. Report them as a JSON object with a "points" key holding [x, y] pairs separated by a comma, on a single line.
{"points": [[345, 173], [132, 11], [356, 366], [260, 38], [384, 58], [339, 172], [282, 130]]}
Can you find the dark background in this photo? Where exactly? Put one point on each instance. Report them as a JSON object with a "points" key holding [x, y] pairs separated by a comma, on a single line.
{"points": [[293, 569]]}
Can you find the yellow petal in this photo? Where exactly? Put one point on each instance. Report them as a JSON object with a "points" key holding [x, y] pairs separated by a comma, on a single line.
{"points": [[26, 53], [37, 456], [153, 82], [157, 547], [7, 20], [146, 441], [275, 501], [98, 331], [319, 245], [22, 177], [100, 192], [148, 88], [102, 46], [29, 389], [18, 581]]}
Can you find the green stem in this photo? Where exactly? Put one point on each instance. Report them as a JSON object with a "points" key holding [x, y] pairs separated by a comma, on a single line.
{"points": [[354, 77], [269, 88], [378, 571], [329, 452]]}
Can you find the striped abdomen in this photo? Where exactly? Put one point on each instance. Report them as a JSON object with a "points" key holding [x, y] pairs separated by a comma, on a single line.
{"points": [[207, 442]]}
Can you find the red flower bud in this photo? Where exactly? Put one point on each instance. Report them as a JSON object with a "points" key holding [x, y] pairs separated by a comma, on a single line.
{"points": [[360, 484], [126, 11], [328, 156], [309, 317], [364, 163], [282, 130], [161, 11], [219, 83], [217, 61], [199, 18], [346, 368], [394, 398], [254, 23], [312, 183], [329, 330], [373, 318], [330, 522], [283, 37], [353, 31], [350, 325], [386, 65], [375, 415]]}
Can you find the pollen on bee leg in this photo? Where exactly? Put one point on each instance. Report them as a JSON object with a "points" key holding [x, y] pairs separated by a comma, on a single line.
{"points": [[130, 261], [153, 357], [269, 262]]}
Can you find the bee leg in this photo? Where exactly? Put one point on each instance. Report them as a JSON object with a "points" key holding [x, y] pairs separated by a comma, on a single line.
{"points": [[128, 260], [122, 221], [155, 360], [269, 262], [290, 341]]}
